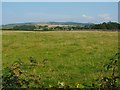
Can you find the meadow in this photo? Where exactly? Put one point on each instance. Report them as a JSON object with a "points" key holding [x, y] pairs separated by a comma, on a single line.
{"points": [[71, 57]]}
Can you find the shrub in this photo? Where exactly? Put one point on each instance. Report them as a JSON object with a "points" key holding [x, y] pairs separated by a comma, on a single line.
{"points": [[17, 76]]}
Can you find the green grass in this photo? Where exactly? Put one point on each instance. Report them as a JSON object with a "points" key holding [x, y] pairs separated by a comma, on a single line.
{"points": [[71, 56]]}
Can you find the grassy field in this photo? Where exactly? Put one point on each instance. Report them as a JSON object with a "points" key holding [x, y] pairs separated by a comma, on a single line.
{"points": [[71, 56]]}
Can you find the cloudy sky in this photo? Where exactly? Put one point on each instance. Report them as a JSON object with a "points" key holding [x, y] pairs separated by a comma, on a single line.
{"points": [[84, 12]]}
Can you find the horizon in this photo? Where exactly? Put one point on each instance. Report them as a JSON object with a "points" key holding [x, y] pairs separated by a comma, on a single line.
{"points": [[55, 22], [80, 12]]}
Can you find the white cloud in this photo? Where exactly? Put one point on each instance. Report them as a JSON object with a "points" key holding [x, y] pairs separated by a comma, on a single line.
{"points": [[87, 17], [104, 16]]}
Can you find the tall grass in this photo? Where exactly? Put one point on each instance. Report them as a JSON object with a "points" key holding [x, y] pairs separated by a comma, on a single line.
{"points": [[69, 56]]}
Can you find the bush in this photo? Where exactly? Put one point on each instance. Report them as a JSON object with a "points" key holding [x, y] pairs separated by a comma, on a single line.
{"points": [[17, 76]]}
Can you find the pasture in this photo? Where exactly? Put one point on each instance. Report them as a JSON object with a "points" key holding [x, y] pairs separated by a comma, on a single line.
{"points": [[70, 56]]}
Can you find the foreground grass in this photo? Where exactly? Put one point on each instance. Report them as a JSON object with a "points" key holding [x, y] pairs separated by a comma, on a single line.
{"points": [[65, 56]]}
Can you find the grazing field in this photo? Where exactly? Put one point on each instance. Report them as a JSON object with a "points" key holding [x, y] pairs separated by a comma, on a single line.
{"points": [[70, 56]]}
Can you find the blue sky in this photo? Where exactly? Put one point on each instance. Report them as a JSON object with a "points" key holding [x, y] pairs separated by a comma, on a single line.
{"points": [[94, 12]]}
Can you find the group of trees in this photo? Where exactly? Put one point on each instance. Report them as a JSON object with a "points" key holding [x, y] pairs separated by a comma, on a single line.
{"points": [[104, 25], [46, 27]]}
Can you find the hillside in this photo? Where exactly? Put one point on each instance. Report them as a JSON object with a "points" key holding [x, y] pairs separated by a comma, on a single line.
{"points": [[49, 24]]}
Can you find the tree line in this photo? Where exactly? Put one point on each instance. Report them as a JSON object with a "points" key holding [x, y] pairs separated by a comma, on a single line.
{"points": [[104, 25]]}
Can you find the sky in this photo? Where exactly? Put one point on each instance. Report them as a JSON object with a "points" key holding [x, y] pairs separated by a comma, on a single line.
{"points": [[60, 0], [83, 12]]}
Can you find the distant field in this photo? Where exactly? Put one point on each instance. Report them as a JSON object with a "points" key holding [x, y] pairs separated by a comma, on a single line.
{"points": [[72, 56]]}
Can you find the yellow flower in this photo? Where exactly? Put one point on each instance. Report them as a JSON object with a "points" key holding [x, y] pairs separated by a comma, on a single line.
{"points": [[50, 86], [80, 86]]}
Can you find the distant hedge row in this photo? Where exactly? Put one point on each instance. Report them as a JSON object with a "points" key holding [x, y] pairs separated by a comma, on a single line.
{"points": [[24, 27]]}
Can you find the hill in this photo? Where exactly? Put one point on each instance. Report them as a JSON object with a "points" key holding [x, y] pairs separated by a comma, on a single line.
{"points": [[11, 26], [53, 26]]}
